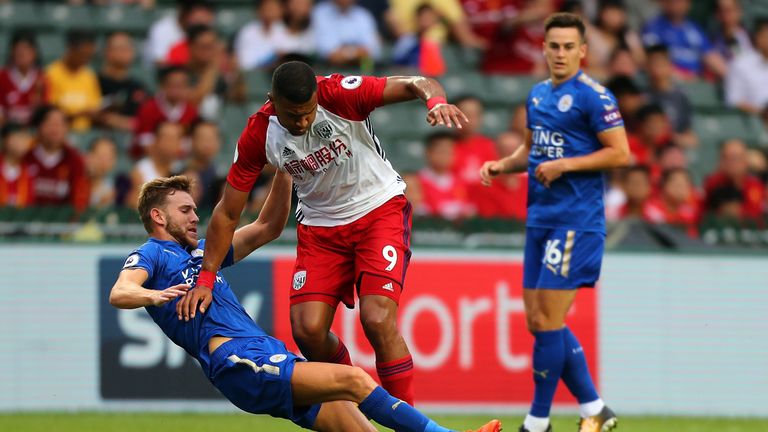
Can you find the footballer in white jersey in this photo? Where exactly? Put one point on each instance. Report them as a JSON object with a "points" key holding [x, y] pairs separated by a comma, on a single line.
{"points": [[355, 223]]}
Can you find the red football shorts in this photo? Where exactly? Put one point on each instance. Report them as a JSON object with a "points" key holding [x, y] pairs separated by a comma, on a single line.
{"points": [[370, 254]]}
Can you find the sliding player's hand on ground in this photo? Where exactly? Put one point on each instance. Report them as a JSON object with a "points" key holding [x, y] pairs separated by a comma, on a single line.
{"points": [[549, 171], [160, 298], [187, 306], [446, 115], [489, 170]]}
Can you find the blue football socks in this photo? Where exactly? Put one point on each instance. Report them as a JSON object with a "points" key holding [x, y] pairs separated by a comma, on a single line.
{"points": [[576, 373], [548, 362], [396, 414]]}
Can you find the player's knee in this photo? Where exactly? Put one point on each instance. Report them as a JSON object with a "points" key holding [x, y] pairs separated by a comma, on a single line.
{"points": [[308, 331], [379, 324], [538, 322], [357, 382]]}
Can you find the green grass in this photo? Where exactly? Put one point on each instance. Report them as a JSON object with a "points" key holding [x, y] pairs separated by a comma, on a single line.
{"points": [[194, 422]]}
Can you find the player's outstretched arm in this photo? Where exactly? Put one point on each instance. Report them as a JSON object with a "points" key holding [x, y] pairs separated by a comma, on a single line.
{"points": [[271, 220], [516, 162], [128, 292], [221, 228], [405, 88]]}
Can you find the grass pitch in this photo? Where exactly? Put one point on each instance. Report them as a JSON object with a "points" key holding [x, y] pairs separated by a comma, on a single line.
{"points": [[195, 422]]}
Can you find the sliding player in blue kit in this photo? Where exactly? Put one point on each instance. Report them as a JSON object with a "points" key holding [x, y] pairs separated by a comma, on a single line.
{"points": [[574, 132], [253, 370]]}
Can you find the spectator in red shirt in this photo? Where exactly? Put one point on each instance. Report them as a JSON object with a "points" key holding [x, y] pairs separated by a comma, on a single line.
{"points": [[507, 196], [654, 134], [445, 194], [472, 148], [170, 104], [15, 180], [58, 169], [22, 83], [514, 32], [637, 190], [734, 171], [676, 203], [167, 33]]}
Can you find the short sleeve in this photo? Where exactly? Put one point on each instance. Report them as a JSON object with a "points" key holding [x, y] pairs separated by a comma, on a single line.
{"points": [[602, 110], [353, 97], [145, 257], [250, 154], [528, 103], [230, 258]]}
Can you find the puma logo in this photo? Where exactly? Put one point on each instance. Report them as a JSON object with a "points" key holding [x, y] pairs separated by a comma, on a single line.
{"points": [[542, 374]]}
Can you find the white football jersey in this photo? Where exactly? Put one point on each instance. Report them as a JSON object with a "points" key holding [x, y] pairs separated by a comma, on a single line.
{"points": [[339, 168]]}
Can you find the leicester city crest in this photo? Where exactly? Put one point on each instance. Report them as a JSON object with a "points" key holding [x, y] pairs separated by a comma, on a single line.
{"points": [[565, 103], [323, 129]]}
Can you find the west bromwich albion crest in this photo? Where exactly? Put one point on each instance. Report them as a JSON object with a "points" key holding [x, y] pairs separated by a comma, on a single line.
{"points": [[323, 129]]}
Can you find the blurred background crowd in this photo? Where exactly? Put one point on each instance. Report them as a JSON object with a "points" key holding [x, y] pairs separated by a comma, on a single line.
{"points": [[98, 97]]}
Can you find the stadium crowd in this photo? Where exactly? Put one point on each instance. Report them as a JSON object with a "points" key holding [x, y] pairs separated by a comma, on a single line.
{"points": [[118, 108]]}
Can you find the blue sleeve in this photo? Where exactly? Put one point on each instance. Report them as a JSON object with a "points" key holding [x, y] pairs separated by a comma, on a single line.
{"points": [[145, 257], [602, 110], [706, 43], [230, 258], [528, 109], [651, 35]]}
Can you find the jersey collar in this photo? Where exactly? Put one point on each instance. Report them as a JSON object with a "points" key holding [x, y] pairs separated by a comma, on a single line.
{"points": [[568, 81]]}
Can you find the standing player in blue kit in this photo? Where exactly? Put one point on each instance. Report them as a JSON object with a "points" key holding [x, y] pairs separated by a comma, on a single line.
{"points": [[574, 132]]}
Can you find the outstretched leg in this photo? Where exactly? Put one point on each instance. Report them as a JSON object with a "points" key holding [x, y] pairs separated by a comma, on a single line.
{"points": [[313, 383]]}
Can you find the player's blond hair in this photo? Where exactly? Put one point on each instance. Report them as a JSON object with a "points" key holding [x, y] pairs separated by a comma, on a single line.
{"points": [[154, 194]]}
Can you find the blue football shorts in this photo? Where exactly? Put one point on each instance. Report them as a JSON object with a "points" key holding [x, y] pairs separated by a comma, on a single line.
{"points": [[559, 258], [254, 373]]}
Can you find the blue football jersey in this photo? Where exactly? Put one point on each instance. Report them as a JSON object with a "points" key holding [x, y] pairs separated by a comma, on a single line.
{"points": [[564, 121], [169, 264]]}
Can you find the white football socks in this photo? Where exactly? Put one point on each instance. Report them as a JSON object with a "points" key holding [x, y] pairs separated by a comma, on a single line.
{"points": [[536, 424], [590, 409]]}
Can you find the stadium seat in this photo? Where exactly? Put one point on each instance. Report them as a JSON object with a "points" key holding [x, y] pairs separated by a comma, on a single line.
{"points": [[257, 83], [5, 39], [406, 155], [406, 120], [712, 129], [14, 15], [51, 46], [702, 94], [230, 20], [496, 121], [65, 17], [466, 83], [133, 19], [509, 90], [458, 59]]}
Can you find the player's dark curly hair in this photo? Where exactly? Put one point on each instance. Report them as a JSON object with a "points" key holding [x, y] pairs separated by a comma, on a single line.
{"points": [[566, 20], [294, 81], [154, 193]]}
